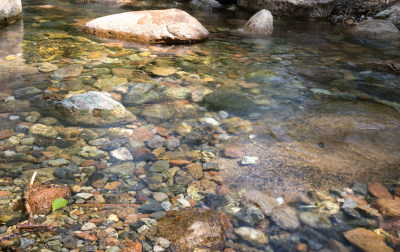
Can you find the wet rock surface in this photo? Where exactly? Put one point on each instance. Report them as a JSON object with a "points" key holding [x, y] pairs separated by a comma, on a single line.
{"points": [[157, 26]]}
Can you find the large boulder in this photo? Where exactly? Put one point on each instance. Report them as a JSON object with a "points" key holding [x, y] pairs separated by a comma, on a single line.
{"points": [[358, 9], [93, 109], [391, 14], [376, 28], [10, 10], [259, 23], [292, 8], [154, 26]]}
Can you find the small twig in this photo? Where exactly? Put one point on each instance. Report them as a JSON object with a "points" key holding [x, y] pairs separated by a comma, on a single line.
{"points": [[29, 227], [33, 178]]}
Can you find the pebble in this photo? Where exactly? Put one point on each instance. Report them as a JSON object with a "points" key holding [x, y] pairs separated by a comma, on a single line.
{"points": [[285, 217], [250, 214], [158, 248], [184, 203], [171, 144], [58, 162], [163, 242], [25, 242], [247, 160], [85, 196], [43, 130], [223, 114], [253, 236], [160, 166], [379, 191], [359, 188], [349, 203], [151, 223], [315, 220], [155, 142], [122, 154], [142, 228], [113, 217], [367, 240], [209, 120], [88, 226], [160, 196]]}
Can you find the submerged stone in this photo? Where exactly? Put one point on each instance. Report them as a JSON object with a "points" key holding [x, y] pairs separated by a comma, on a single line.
{"points": [[367, 240], [253, 236], [192, 229], [67, 72], [92, 108]]}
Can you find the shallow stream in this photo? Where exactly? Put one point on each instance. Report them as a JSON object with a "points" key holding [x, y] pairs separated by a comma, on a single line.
{"points": [[320, 109]]}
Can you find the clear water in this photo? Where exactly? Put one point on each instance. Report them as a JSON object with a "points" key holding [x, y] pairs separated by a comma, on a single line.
{"points": [[324, 106]]}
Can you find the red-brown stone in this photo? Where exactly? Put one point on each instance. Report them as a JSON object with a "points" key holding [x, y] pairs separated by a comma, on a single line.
{"points": [[233, 152], [112, 185], [396, 191], [86, 236], [89, 162], [142, 134], [379, 191], [6, 133], [367, 240], [388, 208]]}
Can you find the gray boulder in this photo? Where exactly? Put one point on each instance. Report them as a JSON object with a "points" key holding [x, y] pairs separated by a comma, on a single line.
{"points": [[93, 109], [376, 28], [392, 15], [154, 26], [259, 23], [292, 8], [10, 10]]}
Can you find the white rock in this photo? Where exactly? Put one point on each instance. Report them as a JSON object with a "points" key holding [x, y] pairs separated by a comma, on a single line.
{"points": [[209, 120], [249, 160], [158, 248], [84, 195], [13, 118], [88, 226], [160, 196], [259, 23], [183, 202], [142, 228], [122, 154], [151, 223], [252, 235], [163, 242], [113, 217]]}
